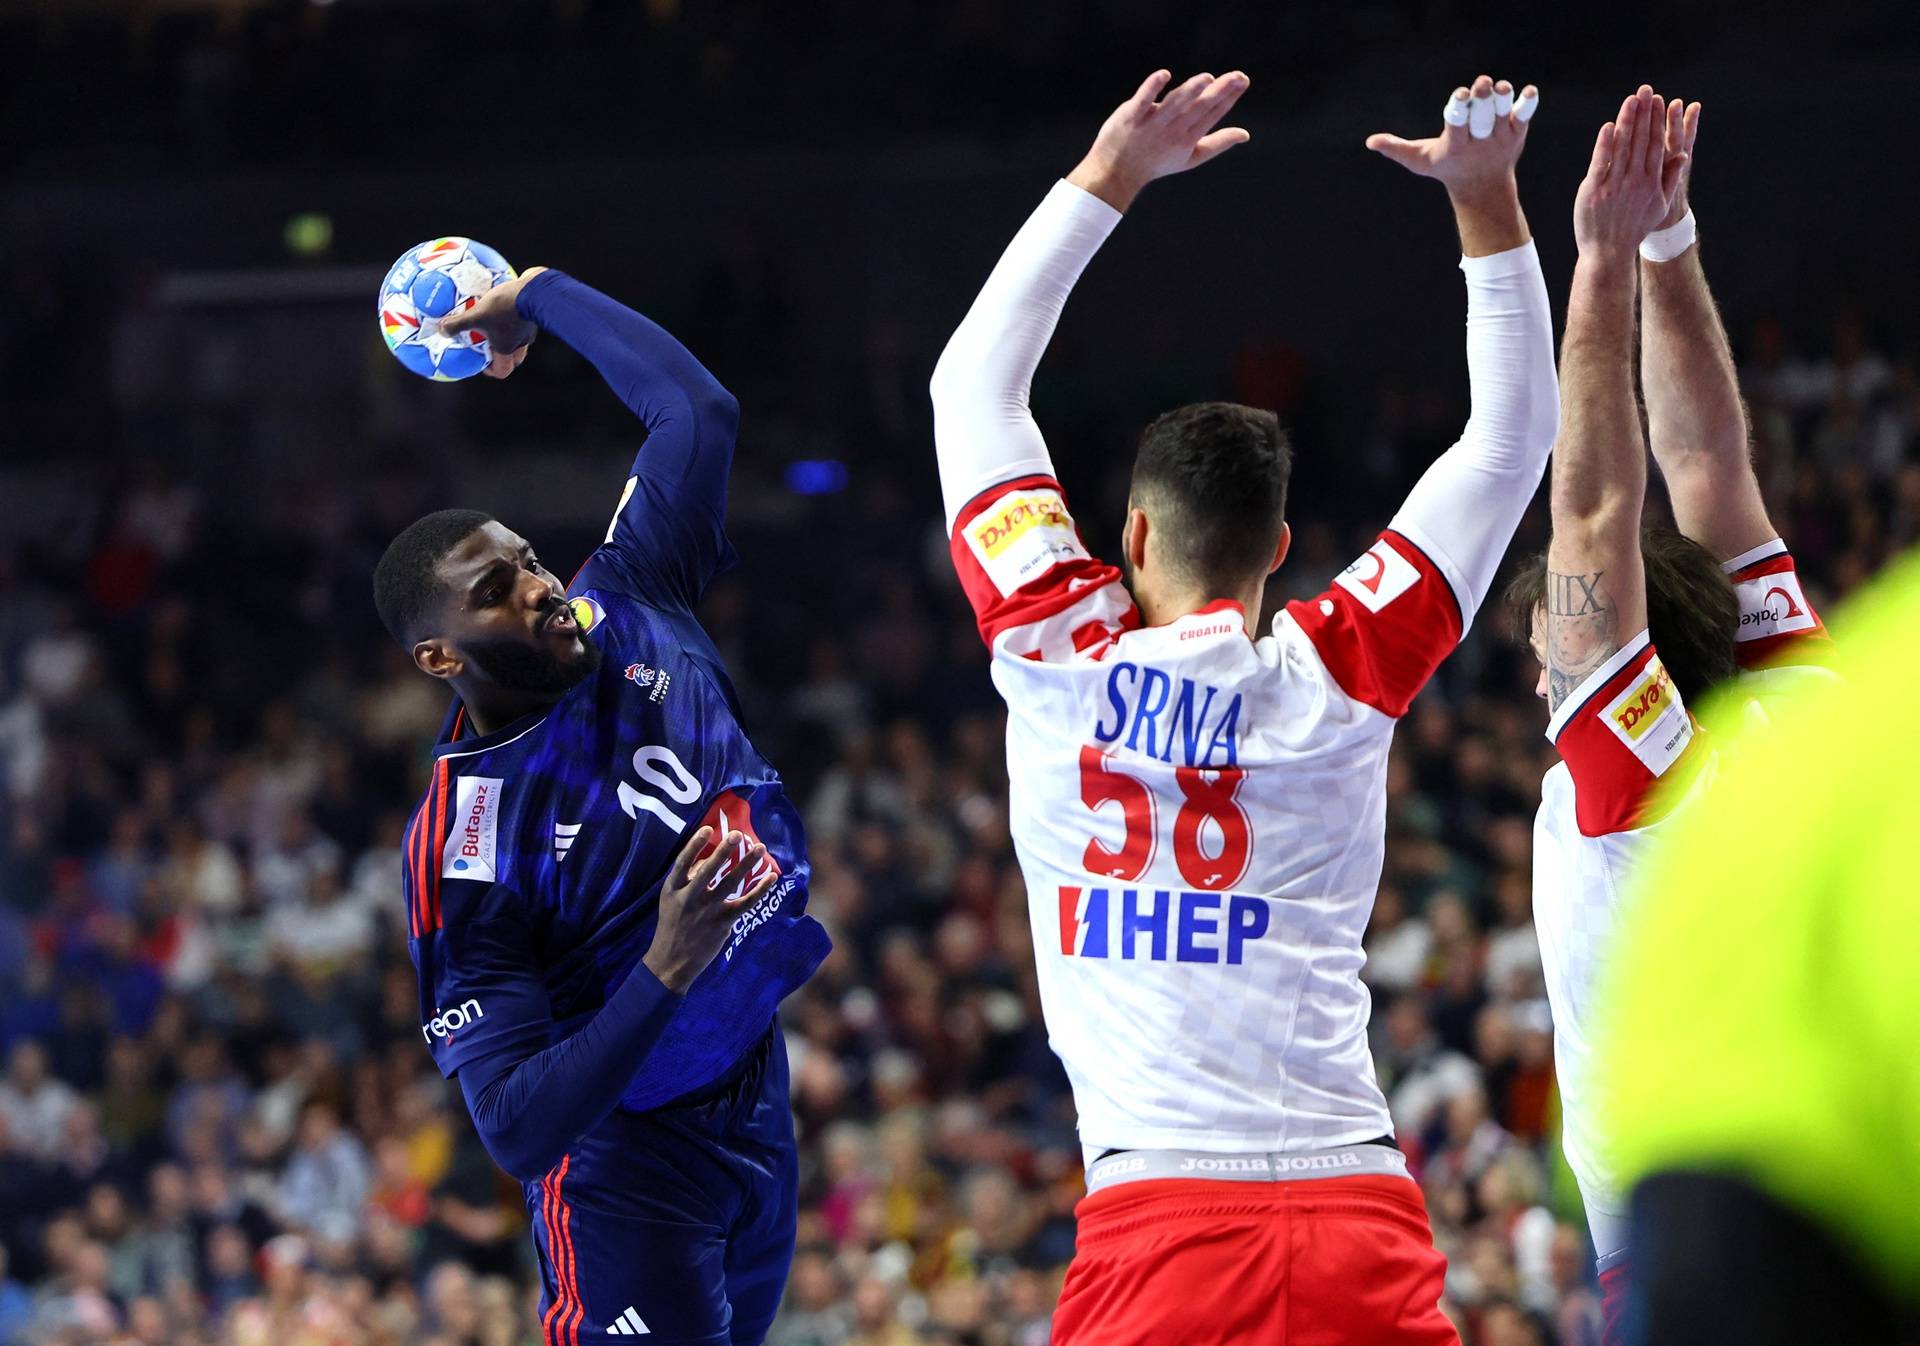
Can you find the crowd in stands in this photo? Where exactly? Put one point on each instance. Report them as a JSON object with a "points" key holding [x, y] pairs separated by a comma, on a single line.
{"points": [[217, 1120]]}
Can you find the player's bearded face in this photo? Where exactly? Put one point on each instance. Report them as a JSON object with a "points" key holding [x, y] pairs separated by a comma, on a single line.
{"points": [[520, 664]]}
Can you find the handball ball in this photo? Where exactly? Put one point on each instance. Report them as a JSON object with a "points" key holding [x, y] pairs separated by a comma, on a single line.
{"points": [[430, 281]]}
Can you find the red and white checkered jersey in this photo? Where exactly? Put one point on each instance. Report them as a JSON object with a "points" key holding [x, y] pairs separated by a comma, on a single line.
{"points": [[1623, 734], [1200, 818]]}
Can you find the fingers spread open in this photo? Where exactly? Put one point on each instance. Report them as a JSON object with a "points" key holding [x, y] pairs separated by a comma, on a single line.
{"points": [[683, 863], [1403, 152], [1176, 103], [1149, 89], [757, 891], [1216, 100], [710, 870]]}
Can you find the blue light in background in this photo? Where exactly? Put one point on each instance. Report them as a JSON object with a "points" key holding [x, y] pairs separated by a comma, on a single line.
{"points": [[816, 476]]}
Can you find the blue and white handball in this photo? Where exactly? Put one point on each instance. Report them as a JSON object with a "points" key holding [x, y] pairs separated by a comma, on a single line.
{"points": [[440, 276]]}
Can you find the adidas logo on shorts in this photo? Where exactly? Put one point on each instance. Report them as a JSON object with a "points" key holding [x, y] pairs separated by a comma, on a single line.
{"points": [[629, 1325]]}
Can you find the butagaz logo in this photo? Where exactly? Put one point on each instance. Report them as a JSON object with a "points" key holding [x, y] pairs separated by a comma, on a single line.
{"points": [[1649, 718], [1024, 535], [1773, 605], [469, 851], [642, 676], [445, 1023], [1379, 576], [564, 835], [1160, 926]]}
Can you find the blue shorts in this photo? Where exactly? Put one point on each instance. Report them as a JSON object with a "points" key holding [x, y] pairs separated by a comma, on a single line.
{"points": [[677, 1223]]}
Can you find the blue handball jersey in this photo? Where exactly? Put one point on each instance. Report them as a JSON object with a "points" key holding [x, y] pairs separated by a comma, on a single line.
{"points": [[545, 843]]}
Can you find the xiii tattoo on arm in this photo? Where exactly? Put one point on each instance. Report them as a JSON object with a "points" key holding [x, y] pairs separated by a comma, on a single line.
{"points": [[1583, 631]]}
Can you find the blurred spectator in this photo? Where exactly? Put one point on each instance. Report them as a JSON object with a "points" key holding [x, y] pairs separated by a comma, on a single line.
{"points": [[36, 1105]]}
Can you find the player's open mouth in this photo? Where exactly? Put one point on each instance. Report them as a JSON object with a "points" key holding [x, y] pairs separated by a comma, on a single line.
{"points": [[561, 621]]}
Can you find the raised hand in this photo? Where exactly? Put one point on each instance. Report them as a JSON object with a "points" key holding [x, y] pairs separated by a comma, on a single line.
{"points": [[497, 316], [706, 890], [1484, 134], [1632, 182], [1683, 124], [1145, 139]]}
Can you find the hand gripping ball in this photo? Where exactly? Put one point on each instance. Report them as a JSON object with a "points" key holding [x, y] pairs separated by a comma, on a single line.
{"points": [[440, 276]]}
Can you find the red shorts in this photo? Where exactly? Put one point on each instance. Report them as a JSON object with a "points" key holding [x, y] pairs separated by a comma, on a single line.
{"points": [[1613, 1304], [1316, 1262]]}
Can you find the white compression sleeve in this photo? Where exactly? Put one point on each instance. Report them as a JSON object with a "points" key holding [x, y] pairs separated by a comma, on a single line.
{"points": [[1464, 510], [983, 431]]}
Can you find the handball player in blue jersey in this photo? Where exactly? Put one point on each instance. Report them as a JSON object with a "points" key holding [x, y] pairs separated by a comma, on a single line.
{"points": [[606, 882]]}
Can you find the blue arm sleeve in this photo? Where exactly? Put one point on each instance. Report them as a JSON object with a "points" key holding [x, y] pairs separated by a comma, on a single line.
{"points": [[486, 1017], [668, 536], [531, 1110]]}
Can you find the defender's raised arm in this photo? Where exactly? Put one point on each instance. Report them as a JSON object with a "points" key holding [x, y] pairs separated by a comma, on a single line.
{"points": [[1695, 418], [984, 432], [1464, 510]]}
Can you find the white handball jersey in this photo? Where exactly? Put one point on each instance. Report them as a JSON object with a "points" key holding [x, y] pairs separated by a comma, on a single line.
{"points": [[1200, 819], [1623, 734], [1200, 816]]}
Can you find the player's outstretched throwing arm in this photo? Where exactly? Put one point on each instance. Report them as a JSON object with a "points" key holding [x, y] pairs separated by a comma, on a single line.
{"points": [[533, 1098], [668, 532], [1700, 435], [1463, 511], [1596, 597]]}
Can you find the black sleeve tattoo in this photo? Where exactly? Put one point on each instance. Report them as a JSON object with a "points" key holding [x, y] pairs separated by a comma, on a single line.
{"points": [[1583, 631]]}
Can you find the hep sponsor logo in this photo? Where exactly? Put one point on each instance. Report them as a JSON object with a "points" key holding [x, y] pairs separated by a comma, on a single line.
{"points": [[470, 848], [445, 1023], [656, 678], [1160, 926]]}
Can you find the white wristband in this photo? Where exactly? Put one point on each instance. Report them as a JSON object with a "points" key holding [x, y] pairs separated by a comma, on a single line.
{"points": [[1663, 245]]}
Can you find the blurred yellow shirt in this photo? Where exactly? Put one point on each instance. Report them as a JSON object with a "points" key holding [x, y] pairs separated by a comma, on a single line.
{"points": [[1764, 1005]]}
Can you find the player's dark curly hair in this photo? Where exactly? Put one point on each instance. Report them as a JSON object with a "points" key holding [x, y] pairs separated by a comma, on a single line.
{"points": [[405, 589], [1214, 477], [1693, 614]]}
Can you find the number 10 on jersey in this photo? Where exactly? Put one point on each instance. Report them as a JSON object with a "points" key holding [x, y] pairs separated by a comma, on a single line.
{"points": [[1212, 835]]}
